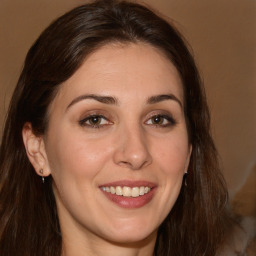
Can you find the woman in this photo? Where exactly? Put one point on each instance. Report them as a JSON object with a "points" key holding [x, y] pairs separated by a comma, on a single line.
{"points": [[106, 148]]}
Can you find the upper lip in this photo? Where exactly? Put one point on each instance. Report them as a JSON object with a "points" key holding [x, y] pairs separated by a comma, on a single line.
{"points": [[129, 183]]}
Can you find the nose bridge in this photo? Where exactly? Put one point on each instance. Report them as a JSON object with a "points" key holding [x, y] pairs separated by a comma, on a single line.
{"points": [[132, 149]]}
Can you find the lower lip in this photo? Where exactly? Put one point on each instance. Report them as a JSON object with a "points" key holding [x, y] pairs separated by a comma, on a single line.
{"points": [[130, 202]]}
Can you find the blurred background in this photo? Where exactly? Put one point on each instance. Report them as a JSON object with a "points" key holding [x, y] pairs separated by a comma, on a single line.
{"points": [[222, 35]]}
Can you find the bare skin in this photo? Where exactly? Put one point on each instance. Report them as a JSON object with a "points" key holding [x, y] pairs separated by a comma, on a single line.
{"points": [[118, 119]]}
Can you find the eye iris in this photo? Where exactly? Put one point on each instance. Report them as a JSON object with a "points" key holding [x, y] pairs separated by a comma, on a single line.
{"points": [[95, 120], [157, 120]]}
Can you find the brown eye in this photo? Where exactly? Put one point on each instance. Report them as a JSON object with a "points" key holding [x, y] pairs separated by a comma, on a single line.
{"points": [[94, 121], [157, 120], [161, 121]]}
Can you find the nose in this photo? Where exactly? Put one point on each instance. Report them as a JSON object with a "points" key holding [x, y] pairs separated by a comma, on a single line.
{"points": [[132, 150]]}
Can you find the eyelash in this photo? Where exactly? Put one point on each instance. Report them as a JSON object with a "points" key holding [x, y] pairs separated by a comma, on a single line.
{"points": [[167, 121], [90, 118], [170, 121]]}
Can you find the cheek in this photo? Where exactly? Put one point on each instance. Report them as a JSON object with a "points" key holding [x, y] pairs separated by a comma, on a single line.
{"points": [[172, 158], [75, 157], [172, 155]]}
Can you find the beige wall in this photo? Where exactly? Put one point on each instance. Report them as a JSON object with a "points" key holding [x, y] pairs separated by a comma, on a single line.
{"points": [[222, 34]]}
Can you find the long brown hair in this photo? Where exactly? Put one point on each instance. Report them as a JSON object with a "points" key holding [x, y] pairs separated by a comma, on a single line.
{"points": [[29, 221]]}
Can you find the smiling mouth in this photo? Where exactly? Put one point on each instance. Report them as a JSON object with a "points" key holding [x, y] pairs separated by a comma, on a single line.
{"points": [[126, 191], [129, 194]]}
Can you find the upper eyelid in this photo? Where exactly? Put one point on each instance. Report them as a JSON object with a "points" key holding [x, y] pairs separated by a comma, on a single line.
{"points": [[96, 112], [159, 112], [93, 115], [106, 114], [110, 116], [162, 115]]}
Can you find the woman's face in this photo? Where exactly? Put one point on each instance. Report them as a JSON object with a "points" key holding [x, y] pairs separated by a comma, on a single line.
{"points": [[117, 144]]}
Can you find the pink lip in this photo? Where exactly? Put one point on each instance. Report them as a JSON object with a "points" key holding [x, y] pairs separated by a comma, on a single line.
{"points": [[130, 202]]}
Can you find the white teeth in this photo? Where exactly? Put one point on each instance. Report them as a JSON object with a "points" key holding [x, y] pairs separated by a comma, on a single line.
{"points": [[135, 192], [142, 191], [127, 191], [119, 191], [112, 190]]}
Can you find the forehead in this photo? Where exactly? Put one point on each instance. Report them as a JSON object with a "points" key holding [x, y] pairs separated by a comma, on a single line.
{"points": [[139, 70]]}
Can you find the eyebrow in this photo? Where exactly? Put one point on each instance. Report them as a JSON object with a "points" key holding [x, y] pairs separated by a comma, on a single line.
{"points": [[103, 99], [159, 98], [113, 101]]}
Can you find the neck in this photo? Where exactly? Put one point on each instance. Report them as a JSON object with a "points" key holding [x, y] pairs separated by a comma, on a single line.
{"points": [[97, 246]]}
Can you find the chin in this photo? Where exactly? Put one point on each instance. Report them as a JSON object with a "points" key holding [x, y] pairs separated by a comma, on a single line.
{"points": [[132, 235], [133, 241]]}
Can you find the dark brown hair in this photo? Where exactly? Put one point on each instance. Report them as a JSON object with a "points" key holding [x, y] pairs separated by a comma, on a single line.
{"points": [[29, 221]]}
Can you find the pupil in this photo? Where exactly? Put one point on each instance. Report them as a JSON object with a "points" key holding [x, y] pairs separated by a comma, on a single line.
{"points": [[95, 120], [157, 120]]}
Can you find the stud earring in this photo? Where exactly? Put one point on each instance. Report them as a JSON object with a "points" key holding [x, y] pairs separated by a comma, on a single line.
{"points": [[41, 172], [185, 179]]}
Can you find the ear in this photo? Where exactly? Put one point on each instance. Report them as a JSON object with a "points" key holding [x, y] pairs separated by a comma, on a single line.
{"points": [[35, 149]]}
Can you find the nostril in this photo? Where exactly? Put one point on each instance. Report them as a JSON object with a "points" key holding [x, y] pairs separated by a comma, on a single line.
{"points": [[134, 165], [125, 164]]}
